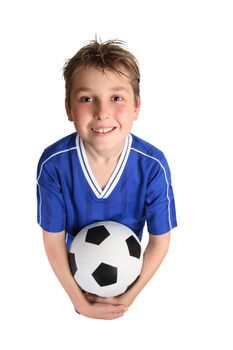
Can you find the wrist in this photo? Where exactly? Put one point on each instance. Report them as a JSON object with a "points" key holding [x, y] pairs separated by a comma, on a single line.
{"points": [[130, 295], [79, 300], [126, 299], [82, 306]]}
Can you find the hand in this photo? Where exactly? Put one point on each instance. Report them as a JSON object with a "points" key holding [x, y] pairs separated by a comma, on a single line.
{"points": [[102, 309]]}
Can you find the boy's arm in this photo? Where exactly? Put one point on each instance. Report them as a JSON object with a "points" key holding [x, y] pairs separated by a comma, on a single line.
{"points": [[153, 256], [56, 251], [155, 252]]}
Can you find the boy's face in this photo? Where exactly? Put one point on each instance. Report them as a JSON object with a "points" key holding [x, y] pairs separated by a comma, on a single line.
{"points": [[102, 107]]}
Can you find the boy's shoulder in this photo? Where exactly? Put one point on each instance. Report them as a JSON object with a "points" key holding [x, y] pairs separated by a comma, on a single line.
{"points": [[62, 145], [145, 148]]}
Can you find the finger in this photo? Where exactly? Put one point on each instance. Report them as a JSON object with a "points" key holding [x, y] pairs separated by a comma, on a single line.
{"points": [[108, 312], [119, 309], [114, 316]]}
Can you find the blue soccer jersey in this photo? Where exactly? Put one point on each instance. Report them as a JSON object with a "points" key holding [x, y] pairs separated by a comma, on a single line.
{"points": [[138, 191]]}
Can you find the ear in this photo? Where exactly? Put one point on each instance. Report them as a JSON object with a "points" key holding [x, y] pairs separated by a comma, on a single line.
{"points": [[137, 108], [68, 111]]}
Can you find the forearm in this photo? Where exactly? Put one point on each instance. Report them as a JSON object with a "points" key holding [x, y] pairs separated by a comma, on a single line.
{"points": [[154, 254], [55, 248]]}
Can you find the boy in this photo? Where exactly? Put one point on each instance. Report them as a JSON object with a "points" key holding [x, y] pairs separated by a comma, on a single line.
{"points": [[102, 172]]}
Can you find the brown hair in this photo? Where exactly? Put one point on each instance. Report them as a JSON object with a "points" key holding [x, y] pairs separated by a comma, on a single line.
{"points": [[106, 56]]}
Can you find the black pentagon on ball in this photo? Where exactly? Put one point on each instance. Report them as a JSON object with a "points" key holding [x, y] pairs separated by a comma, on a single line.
{"points": [[105, 275], [97, 234], [134, 247], [72, 263]]}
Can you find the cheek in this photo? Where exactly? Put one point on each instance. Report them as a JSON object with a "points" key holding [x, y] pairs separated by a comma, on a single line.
{"points": [[81, 113], [82, 109], [123, 110], [126, 113]]}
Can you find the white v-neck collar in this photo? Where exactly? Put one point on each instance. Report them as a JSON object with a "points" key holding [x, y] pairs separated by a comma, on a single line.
{"points": [[114, 179]]}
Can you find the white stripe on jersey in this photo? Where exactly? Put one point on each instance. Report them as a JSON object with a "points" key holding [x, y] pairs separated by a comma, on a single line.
{"points": [[114, 179], [165, 175]]}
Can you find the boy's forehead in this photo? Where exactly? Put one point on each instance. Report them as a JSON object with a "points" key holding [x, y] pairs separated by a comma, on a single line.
{"points": [[85, 77]]}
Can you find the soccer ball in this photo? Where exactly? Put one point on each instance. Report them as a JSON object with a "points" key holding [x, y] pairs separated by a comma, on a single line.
{"points": [[105, 258]]}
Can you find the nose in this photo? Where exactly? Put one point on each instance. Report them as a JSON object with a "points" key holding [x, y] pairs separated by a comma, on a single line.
{"points": [[101, 111]]}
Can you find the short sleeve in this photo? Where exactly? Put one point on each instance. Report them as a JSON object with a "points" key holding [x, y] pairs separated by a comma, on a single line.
{"points": [[51, 213], [160, 203]]}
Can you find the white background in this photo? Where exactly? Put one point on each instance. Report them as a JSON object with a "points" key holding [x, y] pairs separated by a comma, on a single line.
{"points": [[185, 53]]}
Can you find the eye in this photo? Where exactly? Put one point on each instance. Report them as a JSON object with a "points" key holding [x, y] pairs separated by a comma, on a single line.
{"points": [[117, 98], [86, 99]]}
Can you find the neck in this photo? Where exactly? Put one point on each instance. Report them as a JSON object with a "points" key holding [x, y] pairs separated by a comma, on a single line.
{"points": [[103, 156]]}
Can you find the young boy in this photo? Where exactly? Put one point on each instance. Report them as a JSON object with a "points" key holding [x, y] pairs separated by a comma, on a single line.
{"points": [[103, 172]]}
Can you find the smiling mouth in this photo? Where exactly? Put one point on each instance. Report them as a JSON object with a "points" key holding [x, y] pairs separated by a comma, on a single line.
{"points": [[103, 130]]}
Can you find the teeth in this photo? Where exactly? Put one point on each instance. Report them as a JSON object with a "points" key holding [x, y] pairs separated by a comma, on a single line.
{"points": [[103, 131]]}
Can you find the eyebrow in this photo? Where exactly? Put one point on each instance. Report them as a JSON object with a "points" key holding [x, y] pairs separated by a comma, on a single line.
{"points": [[87, 89]]}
